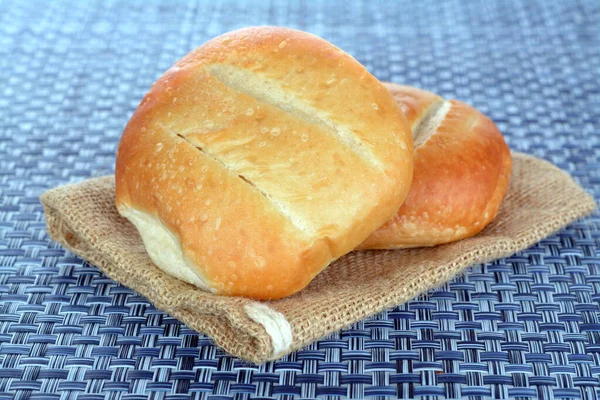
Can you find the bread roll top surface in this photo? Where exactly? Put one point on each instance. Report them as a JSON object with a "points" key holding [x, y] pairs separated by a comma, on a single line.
{"points": [[260, 157]]}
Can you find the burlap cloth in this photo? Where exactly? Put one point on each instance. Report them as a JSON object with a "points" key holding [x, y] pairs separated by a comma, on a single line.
{"points": [[541, 199]]}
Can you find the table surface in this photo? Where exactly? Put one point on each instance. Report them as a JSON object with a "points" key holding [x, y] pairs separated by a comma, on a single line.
{"points": [[527, 326]]}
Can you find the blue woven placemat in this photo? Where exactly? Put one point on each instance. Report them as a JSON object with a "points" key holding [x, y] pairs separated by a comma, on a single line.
{"points": [[528, 326]]}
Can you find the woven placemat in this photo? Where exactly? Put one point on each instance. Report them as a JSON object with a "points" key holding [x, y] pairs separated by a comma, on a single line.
{"points": [[525, 326], [541, 199]]}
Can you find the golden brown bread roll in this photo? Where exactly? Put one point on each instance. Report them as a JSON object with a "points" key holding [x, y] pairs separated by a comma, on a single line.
{"points": [[258, 159], [461, 172]]}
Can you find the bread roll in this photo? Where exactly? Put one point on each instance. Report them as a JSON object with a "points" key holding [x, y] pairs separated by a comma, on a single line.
{"points": [[258, 159], [461, 172]]}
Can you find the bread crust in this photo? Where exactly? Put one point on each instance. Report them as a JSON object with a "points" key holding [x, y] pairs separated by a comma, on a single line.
{"points": [[264, 154], [461, 173]]}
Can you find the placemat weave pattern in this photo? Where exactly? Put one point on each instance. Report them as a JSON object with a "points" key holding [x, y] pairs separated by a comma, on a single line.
{"points": [[527, 326]]}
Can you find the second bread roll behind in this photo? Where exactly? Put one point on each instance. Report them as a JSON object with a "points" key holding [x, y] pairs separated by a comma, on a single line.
{"points": [[258, 159], [461, 173]]}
